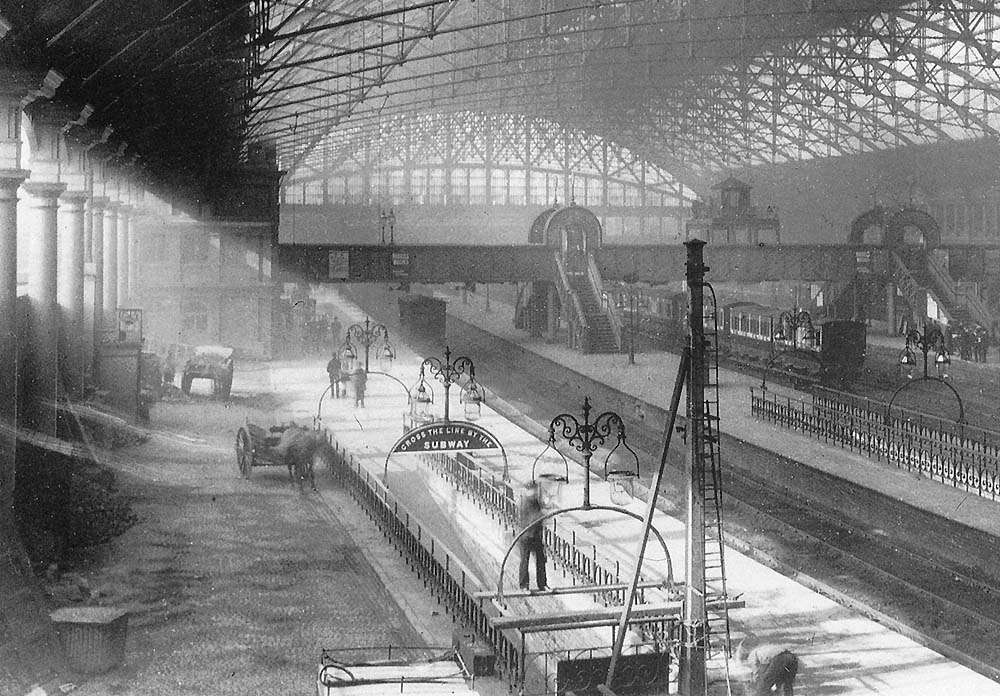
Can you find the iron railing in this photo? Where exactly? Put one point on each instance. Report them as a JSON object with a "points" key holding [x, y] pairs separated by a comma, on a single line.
{"points": [[951, 452], [572, 310], [575, 556], [463, 595], [444, 576], [594, 276], [492, 496]]}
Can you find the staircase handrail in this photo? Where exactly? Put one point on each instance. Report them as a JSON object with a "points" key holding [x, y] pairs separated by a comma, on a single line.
{"points": [[610, 309], [958, 295], [909, 287], [570, 301]]}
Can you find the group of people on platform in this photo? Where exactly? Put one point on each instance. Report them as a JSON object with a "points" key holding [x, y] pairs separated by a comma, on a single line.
{"points": [[341, 375], [972, 342]]}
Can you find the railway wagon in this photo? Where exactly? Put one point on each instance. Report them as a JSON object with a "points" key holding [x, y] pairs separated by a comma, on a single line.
{"points": [[828, 350]]}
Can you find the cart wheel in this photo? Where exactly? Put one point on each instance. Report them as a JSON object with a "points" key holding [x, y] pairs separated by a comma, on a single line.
{"points": [[244, 452]]}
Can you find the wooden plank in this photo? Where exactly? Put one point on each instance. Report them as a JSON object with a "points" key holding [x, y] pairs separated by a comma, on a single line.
{"points": [[578, 589], [539, 620], [575, 626]]}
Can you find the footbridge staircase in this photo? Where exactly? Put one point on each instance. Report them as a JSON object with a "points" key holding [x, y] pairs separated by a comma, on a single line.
{"points": [[598, 317], [921, 274], [901, 247]]}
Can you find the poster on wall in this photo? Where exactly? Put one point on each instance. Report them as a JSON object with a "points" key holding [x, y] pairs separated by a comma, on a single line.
{"points": [[400, 264], [338, 264]]}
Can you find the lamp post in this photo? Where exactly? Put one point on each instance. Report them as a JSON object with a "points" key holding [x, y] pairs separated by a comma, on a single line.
{"points": [[632, 306], [925, 341], [587, 436], [795, 324], [367, 336], [387, 219], [448, 373], [929, 339]]}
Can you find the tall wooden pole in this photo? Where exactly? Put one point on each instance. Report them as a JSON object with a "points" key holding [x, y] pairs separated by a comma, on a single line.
{"points": [[647, 524], [693, 637]]}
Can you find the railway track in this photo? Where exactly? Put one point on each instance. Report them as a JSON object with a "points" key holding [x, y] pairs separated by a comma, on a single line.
{"points": [[926, 576]]}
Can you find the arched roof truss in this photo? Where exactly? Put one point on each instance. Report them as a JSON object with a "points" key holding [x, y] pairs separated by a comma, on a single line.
{"points": [[477, 141], [691, 87]]}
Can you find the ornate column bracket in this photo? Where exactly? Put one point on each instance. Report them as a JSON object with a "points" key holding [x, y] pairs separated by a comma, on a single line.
{"points": [[17, 89]]}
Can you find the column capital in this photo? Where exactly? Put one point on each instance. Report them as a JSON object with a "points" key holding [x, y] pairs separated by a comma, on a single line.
{"points": [[19, 87], [13, 175], [10, 182], [74, 196], [44, 189], [45, 127]]}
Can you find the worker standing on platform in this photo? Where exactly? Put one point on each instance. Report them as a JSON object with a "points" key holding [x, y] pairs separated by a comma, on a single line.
{"points": [[769, 666], [333, 369], [530, 515], [359, 381]]}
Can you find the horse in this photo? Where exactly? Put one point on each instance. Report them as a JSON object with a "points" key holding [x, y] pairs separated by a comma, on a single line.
{"points": [[302, 447]]}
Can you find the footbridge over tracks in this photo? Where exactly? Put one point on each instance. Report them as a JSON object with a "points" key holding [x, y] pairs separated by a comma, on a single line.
{"points": [[565, 267], [447, 263]]}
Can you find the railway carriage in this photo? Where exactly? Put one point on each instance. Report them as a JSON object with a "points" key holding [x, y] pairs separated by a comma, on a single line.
{"points": [[828, 350]]}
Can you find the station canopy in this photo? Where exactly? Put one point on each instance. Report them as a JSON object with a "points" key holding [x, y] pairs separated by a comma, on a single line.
{"points": [[691, 86]]}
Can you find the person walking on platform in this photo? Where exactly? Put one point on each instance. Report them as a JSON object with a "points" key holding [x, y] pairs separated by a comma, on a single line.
{"points": [[335, 330], [770, 667], [981, 345], [359, 381], [529, 516], [333, 369]]}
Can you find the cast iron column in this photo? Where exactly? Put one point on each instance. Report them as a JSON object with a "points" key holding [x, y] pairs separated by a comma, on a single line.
{"points": [[122, 254], [42, 254], [70, 285], [109, 291]]}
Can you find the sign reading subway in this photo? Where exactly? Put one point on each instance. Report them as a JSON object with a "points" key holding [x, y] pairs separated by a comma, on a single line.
{"points": [[446, 437]]}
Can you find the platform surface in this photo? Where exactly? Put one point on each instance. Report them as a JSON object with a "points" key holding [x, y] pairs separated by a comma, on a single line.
{"points": [[842, 652]]}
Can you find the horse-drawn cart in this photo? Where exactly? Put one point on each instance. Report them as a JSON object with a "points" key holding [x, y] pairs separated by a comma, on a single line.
{"points": [[256, 446], [295, 446]]}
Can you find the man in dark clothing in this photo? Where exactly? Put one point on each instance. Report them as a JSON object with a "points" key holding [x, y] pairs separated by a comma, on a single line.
{"points": [[530, 515], [359, 381], [770, 667], [333, 369], [335, 329]]}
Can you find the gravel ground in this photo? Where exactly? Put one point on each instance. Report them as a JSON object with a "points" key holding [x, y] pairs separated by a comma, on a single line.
{"points": [[233, 586]]}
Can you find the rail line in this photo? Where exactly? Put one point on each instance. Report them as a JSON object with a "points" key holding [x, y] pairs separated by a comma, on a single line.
{"points": [[907, 574]]}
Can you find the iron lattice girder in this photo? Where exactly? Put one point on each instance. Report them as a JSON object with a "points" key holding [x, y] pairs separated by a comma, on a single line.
{"points": [[461, 140], [825, 71], [854, 110]]}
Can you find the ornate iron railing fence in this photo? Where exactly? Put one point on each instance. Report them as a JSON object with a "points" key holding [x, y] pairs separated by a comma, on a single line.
{"points": [[464, 597], [575, 556], [951, 452], [443, 575], [492, 496]]}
